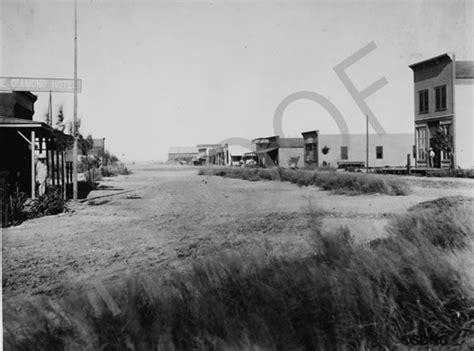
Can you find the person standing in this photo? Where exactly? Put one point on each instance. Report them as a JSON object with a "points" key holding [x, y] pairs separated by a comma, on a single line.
{"points": [[41, 175], [432, 156]]}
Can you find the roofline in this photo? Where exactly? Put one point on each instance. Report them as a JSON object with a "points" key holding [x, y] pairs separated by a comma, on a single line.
{"points": [[448, 54], [267, 137], [32, 125]]}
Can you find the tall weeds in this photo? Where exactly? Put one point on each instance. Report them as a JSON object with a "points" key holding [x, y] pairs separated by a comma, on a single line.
{"points": [[337, 182], [342, 296]]}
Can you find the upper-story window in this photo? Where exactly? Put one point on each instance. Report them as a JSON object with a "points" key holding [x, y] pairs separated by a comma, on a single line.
{"points": [[440, 98], [423, 101]]}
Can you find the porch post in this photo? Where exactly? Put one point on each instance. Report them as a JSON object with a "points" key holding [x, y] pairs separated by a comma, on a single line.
{"points": [[33, 170], [63, 174]]}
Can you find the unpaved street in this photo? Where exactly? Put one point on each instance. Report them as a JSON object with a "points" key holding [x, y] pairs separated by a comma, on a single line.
{"points": [[162, 216]]}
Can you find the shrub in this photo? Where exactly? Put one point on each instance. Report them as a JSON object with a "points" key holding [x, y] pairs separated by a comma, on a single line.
{"points": [[92, 177], [115, 169], [47, 204], [13, 208]]}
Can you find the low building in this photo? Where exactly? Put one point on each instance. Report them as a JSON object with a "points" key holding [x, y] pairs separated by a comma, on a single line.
{"points": [[182, 153], [274, 151], [332, 150], [444, 98]]}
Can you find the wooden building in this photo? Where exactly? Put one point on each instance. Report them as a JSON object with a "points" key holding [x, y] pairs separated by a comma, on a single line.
{"points": [[22, 141], [444, 95], [274, 151]]}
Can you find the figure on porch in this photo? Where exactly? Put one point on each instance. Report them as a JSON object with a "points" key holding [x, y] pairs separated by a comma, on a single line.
{"points": [[41, 175]]}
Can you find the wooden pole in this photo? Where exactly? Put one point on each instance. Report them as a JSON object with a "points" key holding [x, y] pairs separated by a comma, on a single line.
{"points": [[33, 170], [74, 149]]}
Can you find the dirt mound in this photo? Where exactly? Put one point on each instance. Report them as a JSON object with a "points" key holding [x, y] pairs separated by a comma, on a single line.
{"points": [[443, 203]]}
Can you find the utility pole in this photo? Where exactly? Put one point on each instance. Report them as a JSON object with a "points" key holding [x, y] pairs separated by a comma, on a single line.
{"points": [[367, 143], [74, 129]]}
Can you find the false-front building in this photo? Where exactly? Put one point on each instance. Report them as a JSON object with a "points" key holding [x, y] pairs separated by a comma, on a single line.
{"points": [[444, 94]]}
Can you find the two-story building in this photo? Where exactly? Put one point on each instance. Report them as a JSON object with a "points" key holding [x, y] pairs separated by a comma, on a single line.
{"points": [[444, 94]]}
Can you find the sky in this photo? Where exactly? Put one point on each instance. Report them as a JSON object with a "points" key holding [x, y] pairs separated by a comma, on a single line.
{"points": [[157, 74]]}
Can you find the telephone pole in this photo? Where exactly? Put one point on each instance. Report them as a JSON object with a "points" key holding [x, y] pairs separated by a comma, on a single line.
{"points": [[367, 143], [74, 129]]}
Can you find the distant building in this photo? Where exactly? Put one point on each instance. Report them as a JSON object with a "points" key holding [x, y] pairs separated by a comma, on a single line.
{"points": [[283, 152], [182, 153], [98, 147], [444, 95], [213, 154]]}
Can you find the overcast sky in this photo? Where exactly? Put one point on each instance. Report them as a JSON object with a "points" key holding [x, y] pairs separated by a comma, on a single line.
{"points": [[170, 73]]}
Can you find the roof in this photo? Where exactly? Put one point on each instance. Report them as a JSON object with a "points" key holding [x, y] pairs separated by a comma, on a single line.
{"points": [[310, 132], [464, 69], [264, 140], [12, 122], [432, 59], [291, 142], [183, 150], [264, 151]]}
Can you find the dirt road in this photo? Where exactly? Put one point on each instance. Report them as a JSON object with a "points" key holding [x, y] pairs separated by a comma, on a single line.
{"points": [[164, 216]]}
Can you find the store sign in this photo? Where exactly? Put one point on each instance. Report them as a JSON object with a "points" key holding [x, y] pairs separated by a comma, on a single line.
{"points": [[39, 84]]}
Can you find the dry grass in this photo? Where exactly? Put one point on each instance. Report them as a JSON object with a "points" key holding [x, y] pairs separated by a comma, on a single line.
{"points": [[342, 296], [445, 223], [337, 182]]}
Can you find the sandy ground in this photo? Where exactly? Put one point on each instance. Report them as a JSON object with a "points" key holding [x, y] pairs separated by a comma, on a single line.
{"points": [[162, 217]]}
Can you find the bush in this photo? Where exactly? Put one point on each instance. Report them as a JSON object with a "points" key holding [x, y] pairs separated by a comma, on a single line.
{"points": [[13, 208], [337, 182], [92, 176], [47, 204], [115, 169]]}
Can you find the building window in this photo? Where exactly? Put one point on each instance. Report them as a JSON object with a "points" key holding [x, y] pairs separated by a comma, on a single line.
{"points": [[421, 140], [344, 153], [440, 98], [379, 152], [423, 101]]}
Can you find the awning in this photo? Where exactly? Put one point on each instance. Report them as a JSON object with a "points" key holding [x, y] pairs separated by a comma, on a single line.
{"points": [[265, 151]]}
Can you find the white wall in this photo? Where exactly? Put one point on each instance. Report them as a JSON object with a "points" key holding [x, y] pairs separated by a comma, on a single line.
{"points": [[463, 125], [395, 149]]}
